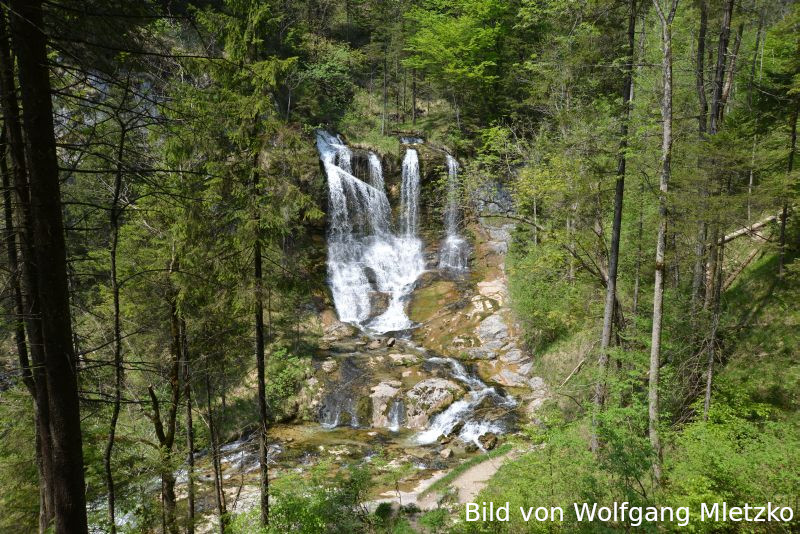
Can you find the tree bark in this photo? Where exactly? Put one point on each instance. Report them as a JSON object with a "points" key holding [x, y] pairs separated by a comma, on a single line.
{"points": [[712, 345], [219, 493], [658, 286], [50, 256], [115, 214], [187, 393], [785, 210], [702, 127], [262, 394], [616, 226], [31, 315]]}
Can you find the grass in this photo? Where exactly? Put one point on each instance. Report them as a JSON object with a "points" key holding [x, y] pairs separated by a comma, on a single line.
{"points": [[445, 481]]}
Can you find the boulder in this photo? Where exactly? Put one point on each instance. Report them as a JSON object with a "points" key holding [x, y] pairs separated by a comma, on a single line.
{"points": [[470, 447], [378, 303], [488, 441], [429, 397], [446, 453], [493, 333], [382, 396], [390, 342], [329, 365], [374, 344]]}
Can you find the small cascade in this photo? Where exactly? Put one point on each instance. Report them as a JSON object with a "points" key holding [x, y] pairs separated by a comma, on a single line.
{"points": [[454, 251], [409, 203], [365, 259], [375, 172], [465, 415], [396, 415]]}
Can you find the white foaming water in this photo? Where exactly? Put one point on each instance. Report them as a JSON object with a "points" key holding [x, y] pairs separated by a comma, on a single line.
{"points": [[396, 415], [465, 410], [375, 172], [454, 251], [360, 241]]}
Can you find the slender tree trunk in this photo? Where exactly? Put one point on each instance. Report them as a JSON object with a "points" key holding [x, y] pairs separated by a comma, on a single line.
{"points": [[414, 97], [658, 286], [385, 97], [187, 393], [260, 365], [616, 227], [712, 345], [115, 214], [700, 244], [51, 262], [219, 492], [638, 262], [785, 210]]}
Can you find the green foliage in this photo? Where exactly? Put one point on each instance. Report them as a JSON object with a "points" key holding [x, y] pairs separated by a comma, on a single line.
{"points": [[320, 503], [18, 475]]}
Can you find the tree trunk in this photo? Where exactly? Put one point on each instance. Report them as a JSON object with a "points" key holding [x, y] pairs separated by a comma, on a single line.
{"points": [[50, 256], [712, 344], [717, 102], [30, 302], [658, 287], [414, 97], [785, 210], [115, 214], [616, 226], [700, 244], [260, 365], [187, 393], [219, 493], [385, 97]]}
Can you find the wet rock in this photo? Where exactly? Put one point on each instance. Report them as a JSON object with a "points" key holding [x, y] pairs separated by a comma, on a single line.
{"points": [[378, 303], [488, 441], [390, 342], [309, 399], [446, 453], [429, 397], [333, 329], [382, 396], [329, 365], [470, 447], [374, 344], [403, 359], [456, 430]]}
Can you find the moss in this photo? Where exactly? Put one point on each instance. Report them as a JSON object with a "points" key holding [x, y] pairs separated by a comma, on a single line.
{"points": [[430, 299]]}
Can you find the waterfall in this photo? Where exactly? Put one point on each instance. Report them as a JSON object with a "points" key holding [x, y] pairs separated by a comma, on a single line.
{"points": [[409, 194], [375, 172], [396, 415], [454, 251], [365, 259], [463, 416]]}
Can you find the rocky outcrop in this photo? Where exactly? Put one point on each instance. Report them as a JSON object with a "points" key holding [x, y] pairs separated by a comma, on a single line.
{"points": [[382, 397], [428, 398]]}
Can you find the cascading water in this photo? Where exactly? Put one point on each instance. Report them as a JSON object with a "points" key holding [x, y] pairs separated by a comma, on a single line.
{"points": [[467, 411], [396, 415], [365, 259], [454, 251], [376, 172]]}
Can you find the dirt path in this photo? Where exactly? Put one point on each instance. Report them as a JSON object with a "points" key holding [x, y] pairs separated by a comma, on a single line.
{"points": [[467, 485]]}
